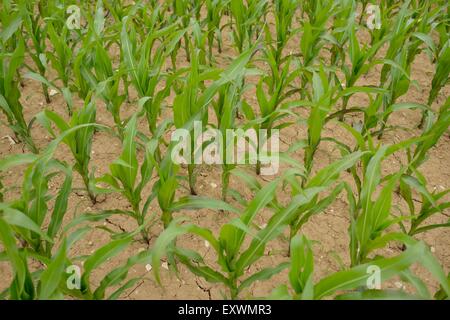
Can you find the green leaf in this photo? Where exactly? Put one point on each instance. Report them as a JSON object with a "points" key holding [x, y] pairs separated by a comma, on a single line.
{"points": [[330, 173], [60, 207], [264, 274], [357, 276], [161, 244], [195, 203], [274, 228], [231, 237], [9, 243], [51, 277], [302, 267], [101, 256], [19, 219], [16, 160]]}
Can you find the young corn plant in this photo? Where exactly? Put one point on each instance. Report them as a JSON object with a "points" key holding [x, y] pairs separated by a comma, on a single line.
{"points": [[105, 81], [397, 86], [284, 12], [86, 290], [413, 180], [440, 78], [340, 31], [11, 21], [406, 39], [124, 172], [86, 55], [23, 220], [325, 95], [79, 141], [193, 99], [187, 105], [427, 19], [402, 27], [10, 93], [371, 216], [27, 214], [233, 256], [146, 68], [165, 188], [37, 33], [433, 131], [246, 22], [225, 109], [271, 109], [117, 8], [93, 67], [185, 11], [321, 105], [82, 65], [432, 203], [61, 58], [215, 10], [312, 39], [442, 25], [362, 61], [22, 286], [324, 180]]}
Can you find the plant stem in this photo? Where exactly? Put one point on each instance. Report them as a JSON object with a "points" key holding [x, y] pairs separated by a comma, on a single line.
{"points": [[166, 218], [225, 182], [88, 188], [186, 48], [46, 95], [234, 292], [191, 169], [344, 108]]}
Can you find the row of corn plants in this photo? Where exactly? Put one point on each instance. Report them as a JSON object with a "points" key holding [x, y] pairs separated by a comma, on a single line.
{"points": [[153, 67]]}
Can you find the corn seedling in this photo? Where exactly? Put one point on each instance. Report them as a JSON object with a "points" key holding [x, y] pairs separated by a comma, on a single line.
{"points": [[146, 69], [191, 104], [284, 12], [61, 57], [225, 109], [184, 11], [324, 179], [313, 30], [10, 96], [431, 202], [271, 110], [441, 76], [370, 218], [124, 171], [215, 10], [37, 32], [230, 242], [246, 22], [79, 142], [28, 213]]}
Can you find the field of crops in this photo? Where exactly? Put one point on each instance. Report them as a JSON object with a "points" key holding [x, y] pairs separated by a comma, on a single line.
{"points": [[334, 182]]}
